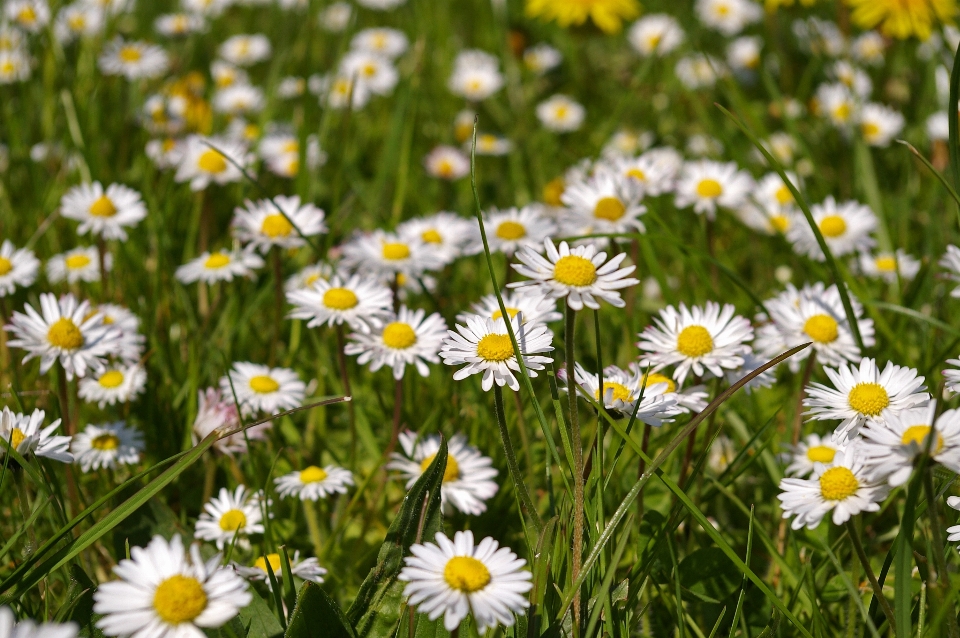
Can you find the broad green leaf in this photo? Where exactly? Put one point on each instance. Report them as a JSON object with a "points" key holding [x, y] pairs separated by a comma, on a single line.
{"points": [[258, 619], [317, 616]]}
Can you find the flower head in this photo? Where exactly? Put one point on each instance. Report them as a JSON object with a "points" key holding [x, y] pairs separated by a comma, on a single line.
{"points": [[107, 445]]}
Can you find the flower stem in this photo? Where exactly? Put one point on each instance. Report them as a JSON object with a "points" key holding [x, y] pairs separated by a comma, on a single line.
{"points": [[865, 562], [313, 525], [397, 415], [575, 442], [526, 503], [345, 380]]}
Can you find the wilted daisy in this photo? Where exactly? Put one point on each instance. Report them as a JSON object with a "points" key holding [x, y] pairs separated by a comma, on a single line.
{"points": [[103, 212], [697, 340], [307, 569], [729, 17], [30, 15], [245, 50], [220, 265], [386, 255], [407, 338], [655, 33], [360, 304], [605, 202], [446, 162], [207, 160], [116, 384], [313, 483], [79, 264], [18, 268], [862, 394], [26, 434], [382, 40], [511, 229], [66, 331], [707, 185], [889, 266], [561, 114], [807, 453], [444, 234], [484, 345], [262, 226], [261, 388], [164, 593], [133, 60], [231, 516], [621, 391], [880, 124], [951, 263], [108, 445], [890, 449], [467, 479], [455, 578], [526, 306], [843, 488], [846, 228]]}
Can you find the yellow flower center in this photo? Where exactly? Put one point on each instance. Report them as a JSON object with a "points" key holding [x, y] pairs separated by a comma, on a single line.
{"points": [[620, 391], [111, 379], [313, 474], [919, 434], [179, 599], [340, 299], [103, 207], [868, 398], [553, 191], [694, 341], [870, 130], [217, 260], [511, 230], [821, 454], [431, 237], [395, 251], [573, 270], [833, 226], [780, 223], [264, 385], [637, 174], [274, 560], [211, 161], [609, 208], [886, 264], [842, 112], [495, 348], [233, 520], [75, 262], [130, 54], [65, 334], [27, 15], [821, 328], [7, 68], [105, 442], [276, 225], [399, 335], [510, 311], [838, 483], [370, 70], [709, 188], [445, 168], [466, 574], [5, 266], [783, 195], [450, 473], [16, 438], [655, 377]]}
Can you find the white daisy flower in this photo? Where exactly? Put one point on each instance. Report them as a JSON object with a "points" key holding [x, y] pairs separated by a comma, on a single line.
{"points": [[699, 71], [541, 58], [340, 91], [770, 208], [18, 268], [241, 99], [952, 377], [581, 274], [291, 87], [743, 55], [78, 20], [313, 483], [889, 266], [30, 15], [261, 225], [835, 102], [131, 343], [385, 255], [953, 532], [467, 480], [812, 450], [116, 384], [697, 339], [484, 345], [456, 578], [853, 77], [385, 41], [163, 593], [528, 307], [362, 305], [605, 202], [245, 50], [26, 628], [104, 213], [372, 69], [868, 48], [14, 66], [220, 265], [133, 60], [307, 569], [655, 33], [207, 8], [625, 143], [937, 126], [108, 446], [407, 338], [846, 228], [489, 145], [951, 263], [381, 5], [445, 234], [561, 114], [879, 124], [654, 172], [750, 363], [447, 162], [692, 399], [335, 17], [261, 388], [79, 264], [621, 391], [707, 185], [511, 229], [25, 433], [864, 394], [215, 413], [729, 17], [165, 153], [231, 516], [178, 25], [889, 449], [309, 275], [201, 164], [66, 331]]}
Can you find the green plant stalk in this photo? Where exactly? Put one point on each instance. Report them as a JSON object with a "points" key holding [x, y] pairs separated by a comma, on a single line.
{"points": [[569, 333], [526, 503], [313, 526], [865, 561], [943, 576], [954, 124]]}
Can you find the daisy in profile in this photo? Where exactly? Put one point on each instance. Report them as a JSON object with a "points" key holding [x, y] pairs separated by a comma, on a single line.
{"points": [[655, 34], [447, 162], [880, 124], [697, 340], [843, 488], [313, 483], [261, 388], [165, 593], [385, 41], [216, 160], [307, 569], [581, 274], [358, 302], [220, 265], [26, 434], [526, 307], [263, 226], [621, 391], [133, 60], [889, 266], [245, 50], [116, 384], [561, 114], [605, 202], [846, 228], [889, 450], [76, 265], [66, 331], [18, 268], [468, 480], [454, 578], [103, 212], [811, 451], [607, 15], [707, 185], [952, 377], [406, 338], [445, 234], [510, 229], [864, 394], [107, 446], [385, 255], [230, 516], [484, 346]]}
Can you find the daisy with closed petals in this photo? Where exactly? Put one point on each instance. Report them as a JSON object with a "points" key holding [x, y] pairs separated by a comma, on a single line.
{"points": [[261, 388], [263, 226], [26, 434], [103, 212], [76, 265], [26, 628], [812, 450], [313, 483], [18, 268], [358, 302], [107, 446], [229, 516], [510, 229], [307, 569], [697, 340], [456, 578], [846, 229], [862, 394], [467, 480], [528, 307], [406, 338], [706, 185], [890, 449], [621, 391], [165, 593], [220, 265], [116, 384], [581, 274]]}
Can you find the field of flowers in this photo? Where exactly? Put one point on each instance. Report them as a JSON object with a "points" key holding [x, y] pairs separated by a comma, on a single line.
{"points": [[519, 318]]}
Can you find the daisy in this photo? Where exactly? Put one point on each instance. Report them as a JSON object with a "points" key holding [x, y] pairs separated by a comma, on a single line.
{"points": [[692, 399], [217, 414], [309, 275], [455, 578], [261, 388], [291, 87], [655, 34], [14, 66], [26, 628], [771, 208], [387, 254], [205, 8], [605, 202], [880, 124], [854, 78], [843, 488], [103, 212], [133, 60], [511, 229], [864, 394], [30, 15], [340, 91], [18, 268], [868, 48], [445, 234], [220, 265], [491, 145], [163, 593], [697, 339], [889, 266], [751, 363], [561, 114], [889, 450], [64, 330], [307, 569], [313, 483], [654, 172], [467, 479], [836, 103], [241, 99], [384, 41], [446, 162], [262, 226], [335, 17], [729, 17], [360, 304], [116, 384], [245, 50], [207, 160], [80, 264], [475, 82], [743, 54], [699, 71], [951, 263], [812, 450], [625, 143], [707, 185], [231, 516], [165, 153], [78, 20], [527, 307], [131, 342], [845, 227], [372, 69], [407, 338], [380, 5], [542, 58], [608, 15], [621, 391], [108, 446], [25, 433], [178, 25]]}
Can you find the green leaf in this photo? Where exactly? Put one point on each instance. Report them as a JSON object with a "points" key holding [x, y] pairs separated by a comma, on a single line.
{"points": [[379, 603], [954, 131], [81, 608], [317, 616], [258, 619]]}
